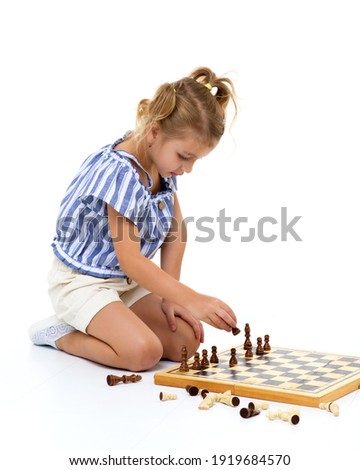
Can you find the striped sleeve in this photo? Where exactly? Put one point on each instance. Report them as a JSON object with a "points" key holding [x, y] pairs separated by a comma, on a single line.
{"points": [[116, 182]]}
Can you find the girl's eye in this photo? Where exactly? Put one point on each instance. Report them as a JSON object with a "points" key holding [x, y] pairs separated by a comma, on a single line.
{"points": [[182, 157]]}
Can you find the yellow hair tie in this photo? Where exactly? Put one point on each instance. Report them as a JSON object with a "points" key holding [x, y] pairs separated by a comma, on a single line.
{"points": [[208, 86]]}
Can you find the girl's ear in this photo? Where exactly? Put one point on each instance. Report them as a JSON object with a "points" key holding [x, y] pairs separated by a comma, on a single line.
{"points": [[153, 133]]}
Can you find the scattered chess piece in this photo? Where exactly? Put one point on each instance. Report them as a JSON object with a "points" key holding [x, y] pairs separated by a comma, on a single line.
{"points": [[204, 392], [196, 364], [332, 407], [115, 379], [247, 343], [207, 402], [290, 415], [184, 356], [233, 361], [249, 353], [167, 396], [248, 413], [227, 398], [258, 406], [267, 346], [259, 348], [235, 331], [192, 390], [204, 360], [214, 359]]}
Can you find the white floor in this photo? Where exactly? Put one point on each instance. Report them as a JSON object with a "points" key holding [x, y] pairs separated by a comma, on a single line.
{"points": [[55, 406]]}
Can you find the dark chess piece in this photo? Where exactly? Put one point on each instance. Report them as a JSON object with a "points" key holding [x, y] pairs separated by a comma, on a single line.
{"points": [[267, 347], [249, 353], [214, 359], [233, 361], [184, 356], [259, 349], [196, 364], [247, 343], [204, 360]]}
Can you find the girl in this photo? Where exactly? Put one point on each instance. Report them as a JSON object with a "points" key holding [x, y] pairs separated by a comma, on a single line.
{"points": [[113, 305]]}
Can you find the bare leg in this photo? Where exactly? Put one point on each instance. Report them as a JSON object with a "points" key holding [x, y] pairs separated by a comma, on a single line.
{"points": [[149, 310], [116, 338]]}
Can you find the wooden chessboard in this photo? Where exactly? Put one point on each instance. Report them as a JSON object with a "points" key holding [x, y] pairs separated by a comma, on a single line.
{"points": [[286, 375]]}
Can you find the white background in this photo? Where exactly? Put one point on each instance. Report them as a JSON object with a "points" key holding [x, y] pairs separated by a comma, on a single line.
{"points": [[72, 75]]}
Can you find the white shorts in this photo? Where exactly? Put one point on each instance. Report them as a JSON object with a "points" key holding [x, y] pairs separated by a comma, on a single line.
{"points": [[77, 297]]}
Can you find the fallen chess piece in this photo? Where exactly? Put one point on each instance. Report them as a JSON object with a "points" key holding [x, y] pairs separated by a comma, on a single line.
{"points": [[258, 406], [248, 413], [332, 407], [227, 398], [115, 379], [167, 396], [207, 402], [290, 415]]}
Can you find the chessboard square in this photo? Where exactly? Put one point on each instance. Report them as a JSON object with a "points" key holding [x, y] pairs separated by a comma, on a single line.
{"points": [[254, 381], [339, 363], [308, 387], [307, 377], [332, 376], [347, 369]]}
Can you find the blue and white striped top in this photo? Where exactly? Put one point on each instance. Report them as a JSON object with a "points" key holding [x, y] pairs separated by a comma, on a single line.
{"points": [[83, 240]]}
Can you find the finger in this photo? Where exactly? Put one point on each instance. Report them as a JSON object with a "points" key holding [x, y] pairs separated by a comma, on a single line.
{"points": [[202, 333], [193, 322], [224, 315], [170, 317]]}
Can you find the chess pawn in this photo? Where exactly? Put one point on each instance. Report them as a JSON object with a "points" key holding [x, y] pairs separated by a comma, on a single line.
{"points": [[192, 390], [332, 406], [214, 359], [207, 402], [227, 398], [258, 406], [291, 415], [233, 361], [204, 360], [248, 413], [267, 347], [235, 331], [196, 364], [167, 396], [259, 349]]}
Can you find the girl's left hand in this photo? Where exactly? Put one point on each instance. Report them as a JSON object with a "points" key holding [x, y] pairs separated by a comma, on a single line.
{"points": [[172, 310]]}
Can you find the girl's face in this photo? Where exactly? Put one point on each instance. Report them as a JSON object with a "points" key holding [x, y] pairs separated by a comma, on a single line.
{"points": [[174, 157]]}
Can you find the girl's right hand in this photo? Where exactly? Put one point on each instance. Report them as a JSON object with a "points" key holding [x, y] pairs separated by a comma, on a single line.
{"points": [[212, 311]]}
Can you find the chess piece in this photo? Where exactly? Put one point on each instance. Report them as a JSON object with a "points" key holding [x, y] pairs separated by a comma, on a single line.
{"points": [[258, 406], [196, 364], [249, 353], [115, 379], [267, 346], [227, 398], [204, 392], [184, 356], [167, 396], [192, 390], [247, 343], [290, 415], [207, 402], [332, 406], [214, 359], [235, 331], [233, 361], [259, 349], [204, 360], [248, 413]]}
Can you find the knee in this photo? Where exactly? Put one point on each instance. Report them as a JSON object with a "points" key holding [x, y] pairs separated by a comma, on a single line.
{"points": [[145, 354], [186, 338]]}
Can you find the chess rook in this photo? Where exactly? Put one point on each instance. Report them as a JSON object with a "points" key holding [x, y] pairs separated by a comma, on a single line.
{"points": [[167, 396], [332, 407]]}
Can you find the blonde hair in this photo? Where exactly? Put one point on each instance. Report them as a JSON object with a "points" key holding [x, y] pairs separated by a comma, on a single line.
{"points": [[195, 103]]}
